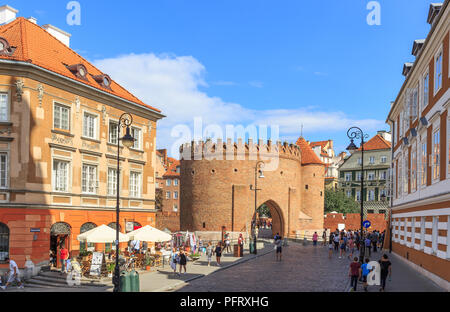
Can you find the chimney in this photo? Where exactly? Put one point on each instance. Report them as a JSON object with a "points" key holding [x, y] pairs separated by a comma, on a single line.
{"points": [[33, 20], [59, 34], [7, 14]]}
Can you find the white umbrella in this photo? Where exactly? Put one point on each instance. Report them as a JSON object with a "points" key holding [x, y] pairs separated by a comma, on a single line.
{"points": [[102, 234], [150, 234]]}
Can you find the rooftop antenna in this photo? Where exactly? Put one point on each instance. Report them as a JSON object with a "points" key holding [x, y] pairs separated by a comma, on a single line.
{"points": [[301, 132]]}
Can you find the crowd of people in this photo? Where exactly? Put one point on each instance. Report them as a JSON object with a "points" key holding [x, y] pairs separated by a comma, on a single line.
{"points": [[348, 243]]}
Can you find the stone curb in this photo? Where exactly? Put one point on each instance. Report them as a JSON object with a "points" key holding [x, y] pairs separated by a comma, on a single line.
{"points": [[220, 269]]}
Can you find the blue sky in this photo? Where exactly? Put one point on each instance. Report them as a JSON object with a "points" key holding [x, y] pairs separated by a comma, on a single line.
{"points": [[284, 62]]}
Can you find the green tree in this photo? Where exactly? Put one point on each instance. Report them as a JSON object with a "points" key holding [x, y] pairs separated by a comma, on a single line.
{"points": [[264, 211], [336, 200]]}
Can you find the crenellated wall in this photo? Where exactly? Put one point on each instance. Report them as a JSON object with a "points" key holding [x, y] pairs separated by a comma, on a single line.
{"points": [[216, 179]]}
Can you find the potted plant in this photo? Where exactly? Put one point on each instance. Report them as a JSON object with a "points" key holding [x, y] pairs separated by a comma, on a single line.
{"points": [[148, 263], [111, 267], [195, 256]]}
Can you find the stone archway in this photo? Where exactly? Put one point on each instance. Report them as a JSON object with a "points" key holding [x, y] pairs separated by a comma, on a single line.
{"points": [[276, 215]]}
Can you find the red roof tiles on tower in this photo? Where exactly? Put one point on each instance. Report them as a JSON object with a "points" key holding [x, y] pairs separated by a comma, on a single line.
{"points": [[308, 155]]}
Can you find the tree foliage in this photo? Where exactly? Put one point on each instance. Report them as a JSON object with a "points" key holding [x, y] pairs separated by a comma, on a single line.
{"points": [[264, 211], [336, 200]]}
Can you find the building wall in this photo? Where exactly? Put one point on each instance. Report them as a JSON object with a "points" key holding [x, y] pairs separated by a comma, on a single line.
{"points": [[421, 203], [216, 193], [352, 221], [32, 144]]}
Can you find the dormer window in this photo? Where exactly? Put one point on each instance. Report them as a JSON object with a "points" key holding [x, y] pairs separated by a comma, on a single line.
{"points": [[103, 80], [5, 48], [78, 70]]}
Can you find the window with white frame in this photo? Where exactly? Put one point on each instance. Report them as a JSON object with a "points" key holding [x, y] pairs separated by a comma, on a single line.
{"points": [[61, 117], [383, 175], [358, 176], [383, 159], [423, 163], [438, 72], [405, 173], [113, 132], [61, 175], [90, 125], [426, 90], [89, 183], [175, 195], [112, 182], [168, 182], [135, 184], [167, 195], [3, 170], [371, 195], [436, 155], [349, 193], [372, 160], [400, 177], [175, 182], [358, 195], [348, 176], [413, 169], [136, 134], [4, 106], [371, 175], [359, 160]]}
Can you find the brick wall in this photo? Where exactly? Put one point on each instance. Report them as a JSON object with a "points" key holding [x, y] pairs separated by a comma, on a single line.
{"points": [[352, 221], [170, 220]]}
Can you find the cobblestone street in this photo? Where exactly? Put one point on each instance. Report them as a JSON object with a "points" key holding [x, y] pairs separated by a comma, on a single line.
{"points": [[303, 269]]}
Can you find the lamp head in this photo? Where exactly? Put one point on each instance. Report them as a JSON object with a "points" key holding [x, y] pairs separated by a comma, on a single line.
{"points": [[128, 140], [352, 147]]}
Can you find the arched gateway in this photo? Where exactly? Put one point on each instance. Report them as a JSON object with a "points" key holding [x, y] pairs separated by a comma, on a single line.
{"points": [[218, 186]]}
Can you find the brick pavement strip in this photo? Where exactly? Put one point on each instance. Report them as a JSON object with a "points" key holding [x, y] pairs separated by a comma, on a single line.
{"points": [[303, 269]]}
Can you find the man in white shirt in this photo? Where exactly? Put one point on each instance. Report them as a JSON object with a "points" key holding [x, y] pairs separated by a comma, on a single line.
{"points": [[13, 274]]}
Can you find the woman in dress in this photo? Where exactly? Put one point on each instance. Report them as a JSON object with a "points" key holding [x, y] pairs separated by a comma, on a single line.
{"points": [[218, 252]]}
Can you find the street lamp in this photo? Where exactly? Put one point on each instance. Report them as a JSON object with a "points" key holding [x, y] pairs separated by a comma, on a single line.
{"points": [[259, 164], [125, 121], [357, 133]]}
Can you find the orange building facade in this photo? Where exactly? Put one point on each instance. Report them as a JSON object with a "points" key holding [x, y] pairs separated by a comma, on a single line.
{"points": [[58, 148]]}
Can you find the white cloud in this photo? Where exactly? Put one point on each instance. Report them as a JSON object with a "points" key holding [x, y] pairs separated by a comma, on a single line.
{"points": [[171, 83], [256, 84]]}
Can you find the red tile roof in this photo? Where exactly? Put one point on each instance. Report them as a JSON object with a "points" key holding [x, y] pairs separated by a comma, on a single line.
{"points": [[36, 46], [172, 165], [376, 143], [308, 155]]}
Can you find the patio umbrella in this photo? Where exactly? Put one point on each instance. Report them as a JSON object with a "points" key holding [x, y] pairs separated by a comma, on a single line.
{"points": [[150, 234], [102, 234]]}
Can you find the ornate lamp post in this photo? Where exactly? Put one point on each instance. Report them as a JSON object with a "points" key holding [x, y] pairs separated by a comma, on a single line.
{"points": [[357, 133], [125, 121], [259, 165]]}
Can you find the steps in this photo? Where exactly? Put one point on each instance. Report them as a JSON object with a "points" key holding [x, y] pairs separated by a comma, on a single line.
{"points": [[52, 279]]}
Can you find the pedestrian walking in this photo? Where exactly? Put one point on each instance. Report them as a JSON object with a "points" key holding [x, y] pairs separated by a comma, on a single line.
{"points": [[386, 269], [324, 237], [330, 247], [209, 252], [342, 246], [315, 238], [218, 252], [368, 243], [227, 243], [13, 274], [200, 246], [173, 260], [351, 247], [278, 245], [183, 261], [366, 268], [374, 239], [354, 273], [336, 241], [63, 256]]}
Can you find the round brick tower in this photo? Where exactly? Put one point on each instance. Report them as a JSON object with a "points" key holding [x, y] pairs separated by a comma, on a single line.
{"points": [[218, 182]]}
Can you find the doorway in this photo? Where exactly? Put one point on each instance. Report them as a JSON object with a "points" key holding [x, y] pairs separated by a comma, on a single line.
{"points": [[59, 236]]}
